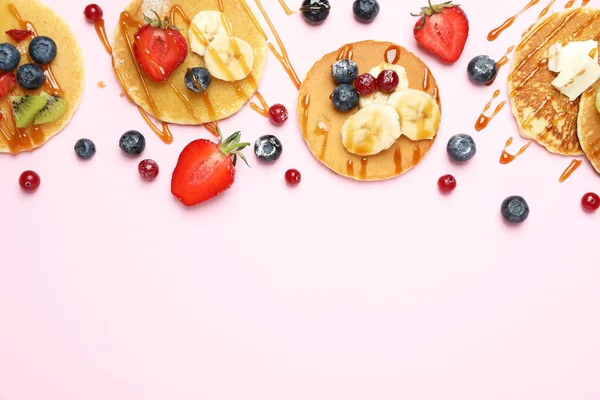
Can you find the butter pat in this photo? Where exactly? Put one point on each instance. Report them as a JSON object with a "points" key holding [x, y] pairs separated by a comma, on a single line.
{"points": [[573, 81], [573, 55]]}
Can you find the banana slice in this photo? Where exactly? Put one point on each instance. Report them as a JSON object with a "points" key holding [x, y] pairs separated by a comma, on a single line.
{"points": [[371, 130], [419, 113], [379, 97], [205, 26], [229, 58]]}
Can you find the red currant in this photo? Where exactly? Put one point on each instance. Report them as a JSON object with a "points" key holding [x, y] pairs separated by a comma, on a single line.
{"points": [[365, 84], [93, 13], [29, 181], [590, 202], [278, 114], [148, 169], [293, 177], [447, 183], [388, 81]]}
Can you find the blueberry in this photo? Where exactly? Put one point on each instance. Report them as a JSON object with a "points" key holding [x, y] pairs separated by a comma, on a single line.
{"points": [[42, 49], [345, 97], [461, 148], [197, 79], [365, 10], [132, 143], [315, 12], [9, 57], [268, 148], [482, 69], [30, 76], [344, 71], [85, 148], [515, 209]]}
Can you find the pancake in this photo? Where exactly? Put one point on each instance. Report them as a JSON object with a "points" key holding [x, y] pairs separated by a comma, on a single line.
{"points": [[542, 112], [67, 70], [180, 105], [589, 126], [321, 124]]}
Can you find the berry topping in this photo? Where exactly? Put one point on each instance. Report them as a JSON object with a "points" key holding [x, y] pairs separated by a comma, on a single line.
{"points": [[461, 148], [278, 114], [344, 71], [205, 169], [18, 35], [315, 12], [93, 13], [268, 148], [7, 82], [365, 84], [148, 169], [365, 10], [590, 202], [293, 177], [482, 69], [9, 57], [85, 149], [344, 97], [442, 29], [30, 76], [42, 49], [29, 181], [447, 184], [388, 81], [197, 79], [515, 209], [132, 143], [159, 48]]}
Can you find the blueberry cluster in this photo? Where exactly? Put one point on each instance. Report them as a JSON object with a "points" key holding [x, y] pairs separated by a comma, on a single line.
{"points": [[30, 76], [345, 96]]}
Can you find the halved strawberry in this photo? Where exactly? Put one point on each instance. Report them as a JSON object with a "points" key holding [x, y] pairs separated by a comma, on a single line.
{"points": [[442, 30], [159, 48], [7, 83], [18, 35], [205, 169]]}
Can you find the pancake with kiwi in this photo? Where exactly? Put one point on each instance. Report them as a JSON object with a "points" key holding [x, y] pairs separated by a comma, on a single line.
{"points": [[64, 77], [171, 101], [542, 112], [321, 124], [588, 126]]}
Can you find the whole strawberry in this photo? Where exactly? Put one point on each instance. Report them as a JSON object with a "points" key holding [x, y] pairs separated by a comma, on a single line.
{"points": [[205, 169], [442, 29], [159, 48]]}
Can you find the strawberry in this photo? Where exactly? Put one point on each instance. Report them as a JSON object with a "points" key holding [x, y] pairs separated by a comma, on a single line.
{"points": [[7, 83], [442, 30], [19, 35], [205, 169], [159, 48]]}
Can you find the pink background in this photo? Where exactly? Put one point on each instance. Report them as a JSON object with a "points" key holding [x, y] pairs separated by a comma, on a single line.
{"points": [[110, 289]]}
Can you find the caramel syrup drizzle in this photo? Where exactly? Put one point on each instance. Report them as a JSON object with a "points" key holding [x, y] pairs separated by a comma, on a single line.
{"points": [[345, 52], [502, 62], [484, 120], [286, 9], [398, 159], [263, 109], [392, 54], [507, 158], [350, 168], [101, 84], [493, 35], [101, 32], [584, 3], [305, 103], [575, 164], [569, 4], [364, 163]]}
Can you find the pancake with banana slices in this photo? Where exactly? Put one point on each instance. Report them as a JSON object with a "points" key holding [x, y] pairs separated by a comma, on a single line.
{"points": [[542, 112], [171, 101], [324, 127], [589, 126], [64, 75]]}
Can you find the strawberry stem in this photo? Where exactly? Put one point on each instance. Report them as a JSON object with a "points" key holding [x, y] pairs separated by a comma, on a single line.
{"points": [[432, 9], [232, 146]]}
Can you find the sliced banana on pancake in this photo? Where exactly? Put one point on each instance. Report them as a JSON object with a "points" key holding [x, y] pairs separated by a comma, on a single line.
{"points": [[419, 113], [371, 130], [229, 58], [380, 97], [205, 26]]}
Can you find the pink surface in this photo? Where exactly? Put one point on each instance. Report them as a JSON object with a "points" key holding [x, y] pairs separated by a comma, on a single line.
{"points": [[110, 289]]}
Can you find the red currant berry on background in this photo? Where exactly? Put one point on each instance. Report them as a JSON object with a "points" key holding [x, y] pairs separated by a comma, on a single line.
{"points": [[29, 181], [278, 114], [293, 177], [365, 84], [93, 13], [590, 202], [148, 169], [388, 81], [447, 183]]}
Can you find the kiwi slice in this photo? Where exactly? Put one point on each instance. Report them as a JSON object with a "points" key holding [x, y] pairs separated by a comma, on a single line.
{"points": [[598, 99], [26, 108], [54, 108]]}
